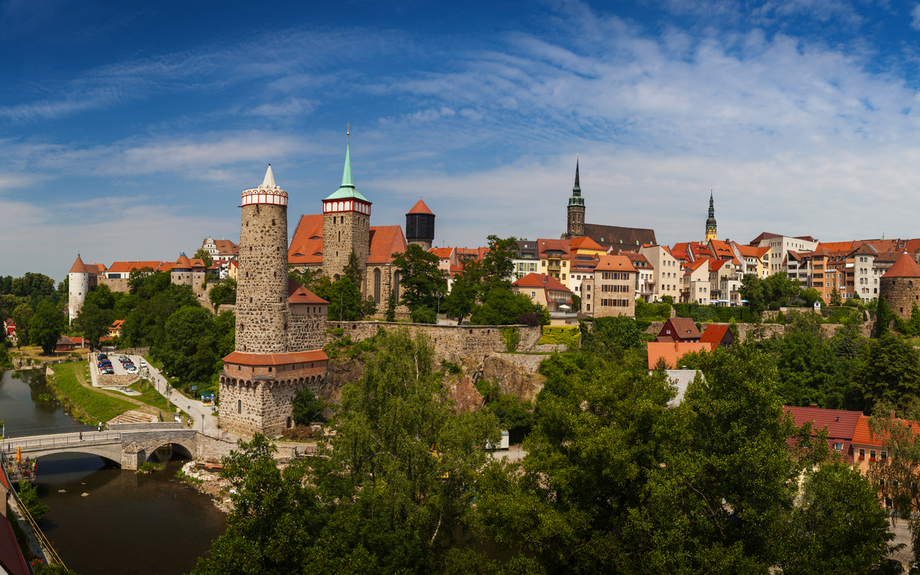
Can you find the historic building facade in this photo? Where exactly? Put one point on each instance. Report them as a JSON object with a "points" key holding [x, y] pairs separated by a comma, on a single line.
{"points": [[324, 242], [711, 222], [279, 324], [900, 286]]}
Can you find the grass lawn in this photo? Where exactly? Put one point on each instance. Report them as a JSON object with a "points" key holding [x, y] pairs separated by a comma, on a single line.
{"points": [[98, 406], [150, 396]]}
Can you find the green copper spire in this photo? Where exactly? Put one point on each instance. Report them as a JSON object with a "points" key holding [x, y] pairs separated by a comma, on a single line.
{"points": [[346, 175], [576, 199]]}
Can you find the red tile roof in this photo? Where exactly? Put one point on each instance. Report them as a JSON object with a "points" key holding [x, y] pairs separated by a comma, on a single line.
{"points": [[78, 267], [307, 243], [692, 267], [545, 245], [841, 425], [534, 280], [240, 358], [386, 241], [672, 351], [420, 208], [442, 253], [682, 328], [905, 267], [864, 436], [585, 243], [615, 263], [715, 334], [127, 267], [299, 294]]}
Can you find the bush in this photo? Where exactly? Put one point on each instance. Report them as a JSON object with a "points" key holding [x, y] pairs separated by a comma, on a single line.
{"points": [[511, 337], [28, 495], [424, 315], [530, 319], [451, 367], [567, 335], [307, 407]]}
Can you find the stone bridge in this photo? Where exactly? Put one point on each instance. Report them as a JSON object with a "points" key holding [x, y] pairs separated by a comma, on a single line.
{"points": [[128, 445]]}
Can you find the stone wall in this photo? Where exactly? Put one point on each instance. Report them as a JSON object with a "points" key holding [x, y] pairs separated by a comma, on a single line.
{"points": [[451, 342], [767, 330], [115, 284], [351, 232], [306, 331], [140, 445], [212, 449], [250, 407]]}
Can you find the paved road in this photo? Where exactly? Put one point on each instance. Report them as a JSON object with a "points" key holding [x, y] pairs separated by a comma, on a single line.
{"points": [[200, 413]]}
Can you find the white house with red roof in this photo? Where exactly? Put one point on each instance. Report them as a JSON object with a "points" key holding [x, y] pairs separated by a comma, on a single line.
{"points": [[696, 285], [548, 292]]}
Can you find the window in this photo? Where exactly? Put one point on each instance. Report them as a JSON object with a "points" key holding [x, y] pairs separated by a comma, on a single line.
{"points": [[871, 455], [239, 406], [377, 286], [884, 455], [533, 294], [838, 446]]}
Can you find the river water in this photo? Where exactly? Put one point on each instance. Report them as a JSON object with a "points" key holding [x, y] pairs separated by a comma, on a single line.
{"points": [[104, 520]]}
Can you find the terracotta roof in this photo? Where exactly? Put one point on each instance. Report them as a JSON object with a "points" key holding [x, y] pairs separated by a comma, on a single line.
{"points": [[863, 436], [615, 263], [226, 247], [563, 246], [420, 208], [714, 334], [672, 351], [183, 261], [692, 267], [837, 246], [442, 253], [307, 244], [905, 267], [117, 323], [617, 236], [841, 425], [385, 241], [78, 267], [715, 265], [240, 358], [585, 243], [534, 280], [126, 267], [299, 294]]}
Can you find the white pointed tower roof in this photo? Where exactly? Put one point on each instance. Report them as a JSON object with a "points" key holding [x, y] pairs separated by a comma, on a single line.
{"points": [[267, 193]]}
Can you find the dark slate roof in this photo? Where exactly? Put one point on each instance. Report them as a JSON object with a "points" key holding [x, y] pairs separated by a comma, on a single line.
{"points": [[619, 237]]}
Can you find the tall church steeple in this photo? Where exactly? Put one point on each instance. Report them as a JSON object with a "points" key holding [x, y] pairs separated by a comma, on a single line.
{"points": [[711, 221], [346, 223], [575, 212]]}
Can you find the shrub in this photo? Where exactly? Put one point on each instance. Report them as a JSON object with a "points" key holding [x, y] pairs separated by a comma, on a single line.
{"points": [[511, 336], [567, 335], [424, 315]]}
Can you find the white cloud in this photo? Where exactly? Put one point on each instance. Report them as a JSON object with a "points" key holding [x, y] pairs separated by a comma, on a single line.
{"points": [[915, 17]]}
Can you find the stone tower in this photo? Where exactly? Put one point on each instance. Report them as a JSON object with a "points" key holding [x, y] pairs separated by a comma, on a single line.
{"points": [[576, 211], [346, 225], [420, 226], [279, 324], [900, 286], [262, 289], [78, 286], [711, 221]]}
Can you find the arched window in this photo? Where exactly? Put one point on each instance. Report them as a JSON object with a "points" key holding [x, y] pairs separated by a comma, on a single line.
{"points": [[377, 286], [396, 286]]}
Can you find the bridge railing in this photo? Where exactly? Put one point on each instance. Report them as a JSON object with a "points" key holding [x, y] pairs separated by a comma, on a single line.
{"points": [[10, 445], [14, 433]]}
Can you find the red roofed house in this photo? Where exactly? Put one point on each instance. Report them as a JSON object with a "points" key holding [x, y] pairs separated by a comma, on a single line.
{"points": [[672, 351], [115, 328], [222, 251], [695, 286], [612, 289], [325, 241], [682, 329], [840, 425], [546, 291], [718, 336], [666, 269]]}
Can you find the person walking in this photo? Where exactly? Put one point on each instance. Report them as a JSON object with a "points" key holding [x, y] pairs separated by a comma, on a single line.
{"points": [[81, 436], [99, 428]]}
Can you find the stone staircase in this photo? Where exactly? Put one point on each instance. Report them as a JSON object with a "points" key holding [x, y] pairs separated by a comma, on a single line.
{"points": [[133, 417]]}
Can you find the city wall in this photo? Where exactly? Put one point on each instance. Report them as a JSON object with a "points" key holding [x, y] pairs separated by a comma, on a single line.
{"points": [[767, 330], [454, 343]]}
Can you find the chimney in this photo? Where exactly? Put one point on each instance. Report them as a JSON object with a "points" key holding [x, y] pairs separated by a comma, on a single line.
{"points": [[813, 405]]}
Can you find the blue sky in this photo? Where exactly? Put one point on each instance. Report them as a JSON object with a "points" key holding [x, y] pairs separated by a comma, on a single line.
{"points": [[128, 130]]}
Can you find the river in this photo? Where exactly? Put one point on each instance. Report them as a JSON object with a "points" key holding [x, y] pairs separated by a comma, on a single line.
{"points": [[125, 523]]}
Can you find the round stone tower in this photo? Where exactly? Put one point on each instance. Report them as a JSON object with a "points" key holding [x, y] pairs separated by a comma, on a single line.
{"points": [[420, 226], [78, 286], [262, 287], [575, 211], [900, 286]]}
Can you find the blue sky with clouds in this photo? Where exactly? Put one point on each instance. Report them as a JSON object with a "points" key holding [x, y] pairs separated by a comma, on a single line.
{"points": [[128, 130]]}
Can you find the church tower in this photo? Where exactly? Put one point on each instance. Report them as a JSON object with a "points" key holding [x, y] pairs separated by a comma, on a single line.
{"points": [[711, 221], [576, 210], [262, 289], [420, 225], [346, 225]]}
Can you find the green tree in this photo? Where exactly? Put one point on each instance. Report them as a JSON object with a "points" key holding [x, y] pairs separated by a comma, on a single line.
{"points": [[498, 264], [47, 326], [28, 495], [94, 322], [345, 301], [307, 407], [22, 317], [205, 256], [222, 292], [503, 307], [883, 317], [391, 307], [354, 270], [464, 292], [189, 345], [305, 277], [420, 280], [889, 372], [836, 300], [101, 296], [839, 527], [611, 335]]}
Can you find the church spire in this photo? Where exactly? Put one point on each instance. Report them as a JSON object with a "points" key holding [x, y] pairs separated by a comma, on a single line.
{"points": [[711, 220], [576, 191], [346, 175]]}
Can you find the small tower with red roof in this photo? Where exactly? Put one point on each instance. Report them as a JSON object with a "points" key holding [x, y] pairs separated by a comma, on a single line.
{"points": [[346, 225], [420, 225], [78, 286], [900, 286]]}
